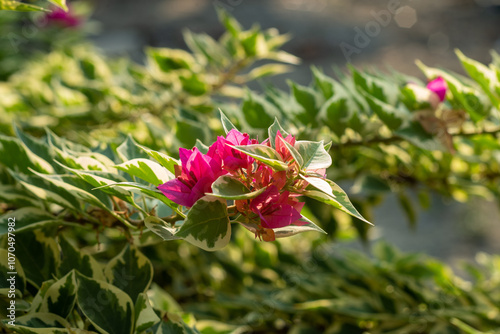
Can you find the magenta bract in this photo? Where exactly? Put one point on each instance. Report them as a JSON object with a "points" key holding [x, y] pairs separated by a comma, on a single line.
{"points": [[67, 19], [439, 87], [232, 159], [197, 173], [275, 209]]}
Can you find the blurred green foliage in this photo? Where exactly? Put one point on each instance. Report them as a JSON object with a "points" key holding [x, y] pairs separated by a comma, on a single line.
{"points": [[386, 137]]}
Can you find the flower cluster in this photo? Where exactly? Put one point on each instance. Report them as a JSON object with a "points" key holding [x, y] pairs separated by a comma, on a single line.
{"points": [[274, 202]]}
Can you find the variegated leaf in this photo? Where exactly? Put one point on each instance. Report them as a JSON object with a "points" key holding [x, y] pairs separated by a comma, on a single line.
{"points": [[146, 170], [108, 308], [264, 154], [130, 271], [39, 255], [23, 218], [60, 298], [42, 320], [230, 188], [313, 154], [161, 158], [145, 316], [207, 224], [73, 258], [6, 268], [340, 201]]}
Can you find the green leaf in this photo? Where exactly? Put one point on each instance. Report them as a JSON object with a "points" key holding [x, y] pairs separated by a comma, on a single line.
{"points": [[39, 255], [320, 184], [159, 227], [147, 170], [108, 308], [175, 325], [393, 117], [101, 180], [207, 224], [336, 113], [264, 154], [201, 147], [228, 187], [145, 316], [193, 84], [142, 189], [309, 100], [313, 154], [206, 47], [17, 197], [20, 7], [326, 84], [5, 269], [376, 87], [161, 300], [229, 22], [60, 3], [266, 70], [485, 77], [80, 189], [36, 304], [130, 271], [187, 131], [42, 320], [23, 217], [273, 131], [48, 191], [73, 258], [226, 123], [37, 147], [163, 159], [15, 155], [258, 112], [60, 298], [341, 201], [129, 150], [167, 60]]}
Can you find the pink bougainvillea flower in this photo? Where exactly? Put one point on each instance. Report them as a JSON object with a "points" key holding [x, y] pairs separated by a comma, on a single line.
{"points": [[281, 147], [233, 159], [275, 209], [194, 177], [66, 19], [439, 87], [265, 176]]}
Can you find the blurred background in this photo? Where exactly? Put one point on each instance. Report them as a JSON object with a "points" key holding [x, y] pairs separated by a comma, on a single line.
{"points": [[386, 34]]}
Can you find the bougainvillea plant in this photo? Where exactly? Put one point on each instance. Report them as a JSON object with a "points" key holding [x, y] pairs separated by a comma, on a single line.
{"points": [[256, 184]]}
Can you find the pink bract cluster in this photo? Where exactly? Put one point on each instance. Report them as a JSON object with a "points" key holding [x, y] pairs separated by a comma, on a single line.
{"points": [[276, 206], [63, 18]]}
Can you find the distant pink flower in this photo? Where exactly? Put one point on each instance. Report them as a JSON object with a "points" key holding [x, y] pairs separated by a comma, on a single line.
{"points": [[439, 87], [275, 209], [66, 19], [194, 177], [231, 158]]}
